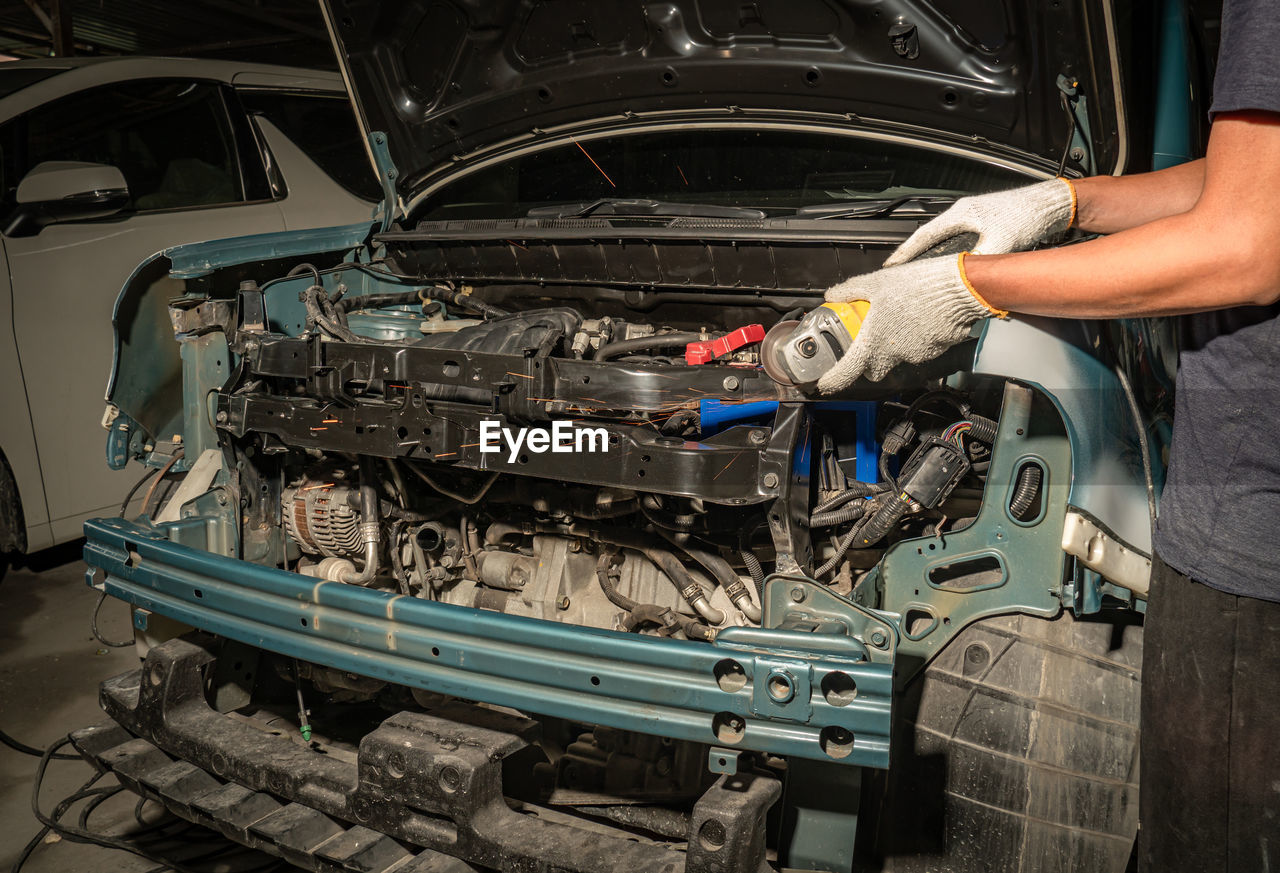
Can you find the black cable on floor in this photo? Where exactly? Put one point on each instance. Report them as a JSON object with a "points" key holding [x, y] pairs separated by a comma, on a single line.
{"points": [[22, 747], [62, 807]]}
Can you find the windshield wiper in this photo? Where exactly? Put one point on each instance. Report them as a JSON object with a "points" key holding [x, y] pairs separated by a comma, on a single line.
{"points": [[877, 208], [641, 207]]}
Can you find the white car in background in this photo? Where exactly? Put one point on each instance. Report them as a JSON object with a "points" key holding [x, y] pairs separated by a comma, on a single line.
{"points": [[104, 162]]}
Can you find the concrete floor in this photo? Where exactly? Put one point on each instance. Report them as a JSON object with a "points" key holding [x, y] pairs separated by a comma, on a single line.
{"points": [[50, 668]]}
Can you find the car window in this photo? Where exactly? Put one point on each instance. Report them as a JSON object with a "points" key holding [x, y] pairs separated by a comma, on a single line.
{"points": [[14, 80], [324, 127], [771, 169], [172, 140]]}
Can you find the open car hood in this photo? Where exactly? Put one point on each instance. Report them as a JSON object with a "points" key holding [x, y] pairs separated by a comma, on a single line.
{"points": [[449, 79]]}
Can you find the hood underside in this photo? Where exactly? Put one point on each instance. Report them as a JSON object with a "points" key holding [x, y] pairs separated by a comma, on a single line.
{"points": [[446, 79]]}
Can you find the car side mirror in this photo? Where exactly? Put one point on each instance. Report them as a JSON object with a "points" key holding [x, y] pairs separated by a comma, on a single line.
{"points": [[55, 191]]}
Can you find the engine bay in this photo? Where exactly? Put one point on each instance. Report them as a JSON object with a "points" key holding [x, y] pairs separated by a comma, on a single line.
{"points": [[586, 464]]}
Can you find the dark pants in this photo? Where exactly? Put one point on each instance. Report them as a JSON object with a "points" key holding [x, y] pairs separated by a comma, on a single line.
{"points": [[1210, 783]]}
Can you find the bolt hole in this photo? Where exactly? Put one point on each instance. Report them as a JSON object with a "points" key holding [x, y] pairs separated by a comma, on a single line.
{"points": [[950, 98], [836, 742], [198, 593], [839, 689], [712, 835], [303, 621], [730, 675], [595, 680], [435, 652], [728, 728], [779, 687]]}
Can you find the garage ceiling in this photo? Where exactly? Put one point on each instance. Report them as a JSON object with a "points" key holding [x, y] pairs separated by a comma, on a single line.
{"points": [[270, 31]]}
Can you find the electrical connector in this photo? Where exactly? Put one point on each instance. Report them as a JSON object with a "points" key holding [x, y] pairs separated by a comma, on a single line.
{"points": [[932, 471]]}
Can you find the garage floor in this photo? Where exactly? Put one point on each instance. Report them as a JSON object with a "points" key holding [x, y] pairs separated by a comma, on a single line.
{"points": [[50, 668]]}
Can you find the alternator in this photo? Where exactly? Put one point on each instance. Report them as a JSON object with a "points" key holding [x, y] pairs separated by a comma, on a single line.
{"points": [[320, 519]]}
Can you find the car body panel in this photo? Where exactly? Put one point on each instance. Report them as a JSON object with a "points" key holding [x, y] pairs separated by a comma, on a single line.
{"points": [[1107, 475], [17, 437], [65, 482]]}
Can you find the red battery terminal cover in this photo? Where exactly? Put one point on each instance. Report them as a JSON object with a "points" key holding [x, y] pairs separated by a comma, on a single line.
{"points": [[702, 352]]}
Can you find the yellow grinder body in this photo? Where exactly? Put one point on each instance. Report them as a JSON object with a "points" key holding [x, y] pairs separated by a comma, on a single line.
{"points": [[800, 352]]}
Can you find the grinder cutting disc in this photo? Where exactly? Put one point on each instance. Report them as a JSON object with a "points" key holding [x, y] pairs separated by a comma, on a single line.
{"points": [[770, 357]]}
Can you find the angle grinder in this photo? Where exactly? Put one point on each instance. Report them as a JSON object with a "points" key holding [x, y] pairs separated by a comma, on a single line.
{"points": [[797, 353]]}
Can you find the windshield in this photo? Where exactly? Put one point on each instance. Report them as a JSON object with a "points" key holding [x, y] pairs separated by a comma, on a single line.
{"points": [[775, 170], [14, 79]]}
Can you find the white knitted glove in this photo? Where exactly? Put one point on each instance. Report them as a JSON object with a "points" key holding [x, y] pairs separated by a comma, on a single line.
{"points": [[918, 311], [1005, 221]]}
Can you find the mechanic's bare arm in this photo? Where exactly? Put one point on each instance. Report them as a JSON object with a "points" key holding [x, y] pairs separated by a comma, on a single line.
{"points": [[1224, 251], [1109, 204]]}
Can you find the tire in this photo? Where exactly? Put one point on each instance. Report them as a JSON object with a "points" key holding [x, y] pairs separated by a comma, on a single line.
{"points": [[1017, 752]]}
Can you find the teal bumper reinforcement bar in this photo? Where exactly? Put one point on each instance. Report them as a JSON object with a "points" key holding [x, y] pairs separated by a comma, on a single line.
{"points": [[783, 692]]}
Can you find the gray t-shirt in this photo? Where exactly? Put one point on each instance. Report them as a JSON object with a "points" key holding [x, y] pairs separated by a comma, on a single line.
{"points": [[1220, 511]]}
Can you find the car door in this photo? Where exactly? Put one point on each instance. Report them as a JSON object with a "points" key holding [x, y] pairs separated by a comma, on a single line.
{"points": [[189, 164]]}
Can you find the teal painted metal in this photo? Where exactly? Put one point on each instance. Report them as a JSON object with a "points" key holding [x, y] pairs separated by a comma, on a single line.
{"points": [[1172, 140], [142, 364], [120, 441], [706, 693], [200, 259], [1106, 479], [820, 817], [206, 365], [795, 602], [920, 612], [1033, 565]]}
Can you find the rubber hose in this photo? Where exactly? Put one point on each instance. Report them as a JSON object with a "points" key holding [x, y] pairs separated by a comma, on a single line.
{"points": [[671, 522], [670, 565], [656, 341], [853, 492], [839, 516], [716, 565], [1027, 490], [983, 430], [754, 568], [883, 521], [377, 301], [466, 301], [725, 576], [694, 630], [606, 584], [665, 561]]}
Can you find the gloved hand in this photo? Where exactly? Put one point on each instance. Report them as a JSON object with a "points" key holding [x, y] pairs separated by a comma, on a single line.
{"points": [[1005, 221], [918, 311]]}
